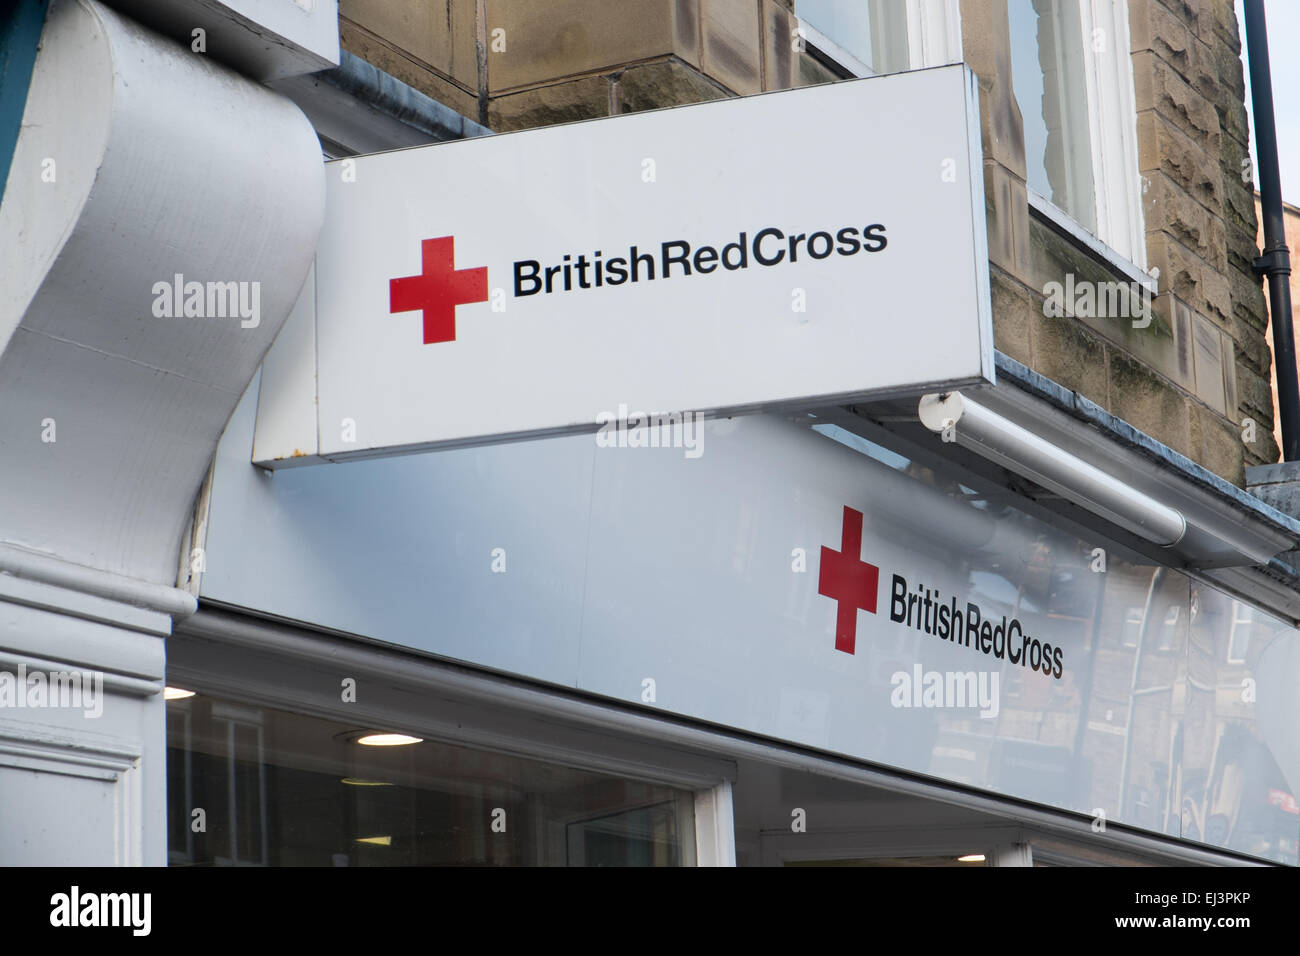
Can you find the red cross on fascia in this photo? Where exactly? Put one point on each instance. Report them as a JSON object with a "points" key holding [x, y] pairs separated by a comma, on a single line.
{"points": [[438, 290], [849, 580]]}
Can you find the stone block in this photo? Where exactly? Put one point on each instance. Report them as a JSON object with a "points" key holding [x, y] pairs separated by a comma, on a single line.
{"points": [[1216, 296], [984, 29], [1239, 204], [668, 82], [731, 44], [1207, 351], [812, 72], [1149, 402], [567, 102], [1180, 269], [1168, 206], [1248, 295], [1255, 395], [1202, 72], [780, 59], [549, 41], [1184, 342], [1013, 315], [1223, 15], [1218, 443], [1007, 221], [1162, 147], [1157, 86], [1068, 352], [1194, 13], [1251, 346], [439, 34], [378, 52], [687, 43], [1153, 26]]}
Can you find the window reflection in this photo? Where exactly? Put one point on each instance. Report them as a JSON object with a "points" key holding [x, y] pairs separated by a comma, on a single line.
{"points": [[873, 31], [1047, 71], [283, 789], [1159, 721]]}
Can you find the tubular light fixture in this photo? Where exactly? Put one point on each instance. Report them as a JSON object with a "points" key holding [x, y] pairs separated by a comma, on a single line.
{"points": [[1017, 449], [388, 740]]}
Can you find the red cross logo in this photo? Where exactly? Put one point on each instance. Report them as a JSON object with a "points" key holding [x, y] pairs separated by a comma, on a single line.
{"points": [[438, 290], [849, 580]]}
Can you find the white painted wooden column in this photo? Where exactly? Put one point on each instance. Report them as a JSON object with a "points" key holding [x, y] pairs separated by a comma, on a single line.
{"points": [[139, 161]]}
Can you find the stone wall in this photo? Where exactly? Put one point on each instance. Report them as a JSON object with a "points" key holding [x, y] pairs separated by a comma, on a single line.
{"points": [[1200, 217], [1191, 377], [515, 64], [1291, 225]]}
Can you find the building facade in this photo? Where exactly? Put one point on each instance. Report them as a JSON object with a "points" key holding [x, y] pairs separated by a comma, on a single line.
{"points": [[833, 635]]}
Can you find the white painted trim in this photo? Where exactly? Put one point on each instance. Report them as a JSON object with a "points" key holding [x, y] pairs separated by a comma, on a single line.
{"points": [[89, 607], [82, 753], [119, 683], [933, 33], [715, 826], [281, 666], [72, 642], [75, 577], [1014, 853], [111, 761]]}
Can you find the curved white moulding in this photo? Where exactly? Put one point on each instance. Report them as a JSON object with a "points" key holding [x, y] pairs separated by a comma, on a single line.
{"points": [[157, 225]]}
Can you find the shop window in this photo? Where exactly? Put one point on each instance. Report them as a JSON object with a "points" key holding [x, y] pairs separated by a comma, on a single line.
{"points": [[283, 789], [1073, 82]]}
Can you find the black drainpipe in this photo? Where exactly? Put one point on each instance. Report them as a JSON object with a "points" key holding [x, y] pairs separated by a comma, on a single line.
{"points": [[1275, 263]]}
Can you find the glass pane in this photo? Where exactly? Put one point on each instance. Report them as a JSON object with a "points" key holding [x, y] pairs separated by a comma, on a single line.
{"points": [[875, 32], [284, 789], [641, 837], [1173, 714], [1048, 79]]}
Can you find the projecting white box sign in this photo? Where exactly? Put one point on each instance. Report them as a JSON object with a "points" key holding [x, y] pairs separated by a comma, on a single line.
{"points": [[792, 249]]}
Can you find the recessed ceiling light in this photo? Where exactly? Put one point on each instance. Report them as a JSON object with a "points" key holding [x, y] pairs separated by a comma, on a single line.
{"points": [[377, 841], [358, 782], [971, 858], [176, 693], [388, 740]]}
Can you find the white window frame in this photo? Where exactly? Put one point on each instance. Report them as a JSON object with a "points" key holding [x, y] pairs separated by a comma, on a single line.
{"points": [[1112, 136], [933, 33], [1112, 112]]}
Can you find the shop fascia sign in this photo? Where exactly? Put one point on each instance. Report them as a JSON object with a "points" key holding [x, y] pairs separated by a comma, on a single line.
{"points": [[790, 250]]}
